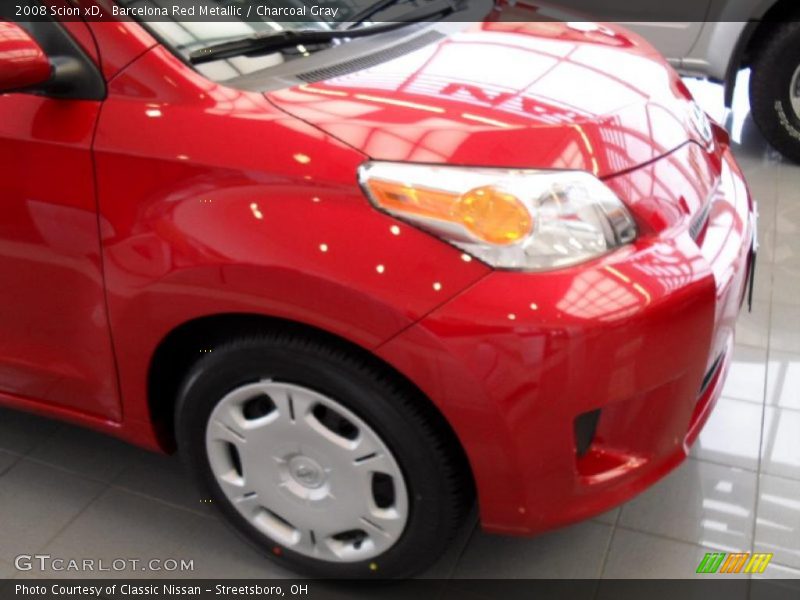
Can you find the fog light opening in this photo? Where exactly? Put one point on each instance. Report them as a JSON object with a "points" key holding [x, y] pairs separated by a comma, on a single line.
{"points": [[585, 426]]}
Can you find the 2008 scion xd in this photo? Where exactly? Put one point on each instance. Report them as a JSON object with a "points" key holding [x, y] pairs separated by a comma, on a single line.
{"points": [[360, 278]]}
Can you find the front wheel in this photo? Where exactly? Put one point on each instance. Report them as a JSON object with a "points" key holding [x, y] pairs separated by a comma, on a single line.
{"points": [[322, 460], [775, 89]]}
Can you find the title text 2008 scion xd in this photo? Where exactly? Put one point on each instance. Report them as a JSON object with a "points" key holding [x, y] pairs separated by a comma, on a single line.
{"points": [[362, 275]]}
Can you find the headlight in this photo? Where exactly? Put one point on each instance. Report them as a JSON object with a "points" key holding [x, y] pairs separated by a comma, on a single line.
{"points": [[511, 219]]}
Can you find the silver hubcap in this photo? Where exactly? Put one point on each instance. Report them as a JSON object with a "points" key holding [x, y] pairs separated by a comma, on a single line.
{"points": [[794, 92], [307, 472]]}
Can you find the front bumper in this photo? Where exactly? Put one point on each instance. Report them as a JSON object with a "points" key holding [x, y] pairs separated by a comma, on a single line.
{"points": [[572, 391]]}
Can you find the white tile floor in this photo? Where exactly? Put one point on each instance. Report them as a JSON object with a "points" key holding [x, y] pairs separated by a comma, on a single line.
{"points": [[70, 492]]}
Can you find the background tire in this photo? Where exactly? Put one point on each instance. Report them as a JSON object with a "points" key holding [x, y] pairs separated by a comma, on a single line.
{"points": [[771, 77], [439, 488]]}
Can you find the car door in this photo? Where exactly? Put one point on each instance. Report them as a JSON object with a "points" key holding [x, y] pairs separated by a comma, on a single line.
{"points": [[55, 344]]}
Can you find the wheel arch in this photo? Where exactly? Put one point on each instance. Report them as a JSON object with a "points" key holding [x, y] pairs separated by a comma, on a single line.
{"points": [[186, 343]]}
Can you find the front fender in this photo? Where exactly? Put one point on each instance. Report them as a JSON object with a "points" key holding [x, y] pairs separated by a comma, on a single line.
{"points": [[213, 201]]}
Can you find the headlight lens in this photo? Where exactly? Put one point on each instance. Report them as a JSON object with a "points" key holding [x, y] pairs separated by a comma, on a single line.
{"points": [[511, 219]]}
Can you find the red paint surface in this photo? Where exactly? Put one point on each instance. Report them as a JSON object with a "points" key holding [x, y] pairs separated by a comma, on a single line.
{"points": [[178, 198]]}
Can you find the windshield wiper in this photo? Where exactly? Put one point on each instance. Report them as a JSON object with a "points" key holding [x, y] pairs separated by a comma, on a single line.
{"points": [[368, 11], [265, 43]]}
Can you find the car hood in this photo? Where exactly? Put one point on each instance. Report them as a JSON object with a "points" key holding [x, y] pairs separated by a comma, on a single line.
{"points": [[545, 95]]}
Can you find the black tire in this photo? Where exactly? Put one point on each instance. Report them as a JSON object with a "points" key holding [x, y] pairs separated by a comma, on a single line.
{"points": [[771, 75], [439, 487]]}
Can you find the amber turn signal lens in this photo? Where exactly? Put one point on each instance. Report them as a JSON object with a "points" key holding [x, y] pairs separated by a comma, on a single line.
{"points": [[418, 201], [490, 214], [494, 215]]}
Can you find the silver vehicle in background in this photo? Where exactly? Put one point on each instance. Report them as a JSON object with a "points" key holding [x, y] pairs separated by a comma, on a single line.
{"points": [[763, 35], [716, 39]]}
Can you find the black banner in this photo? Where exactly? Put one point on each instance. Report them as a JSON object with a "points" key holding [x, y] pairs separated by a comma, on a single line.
{"points": [[713, 588], [338, 11]]}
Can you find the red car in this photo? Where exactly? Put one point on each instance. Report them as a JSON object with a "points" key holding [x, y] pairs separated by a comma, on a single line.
{"points": [[360, 277]]}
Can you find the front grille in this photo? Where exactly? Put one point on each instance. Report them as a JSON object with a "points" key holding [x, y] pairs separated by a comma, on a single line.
{"points": [[700, 219], [364, 62]]}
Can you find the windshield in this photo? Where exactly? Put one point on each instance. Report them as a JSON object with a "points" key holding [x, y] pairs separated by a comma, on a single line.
{"points": [[184, 37]]}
